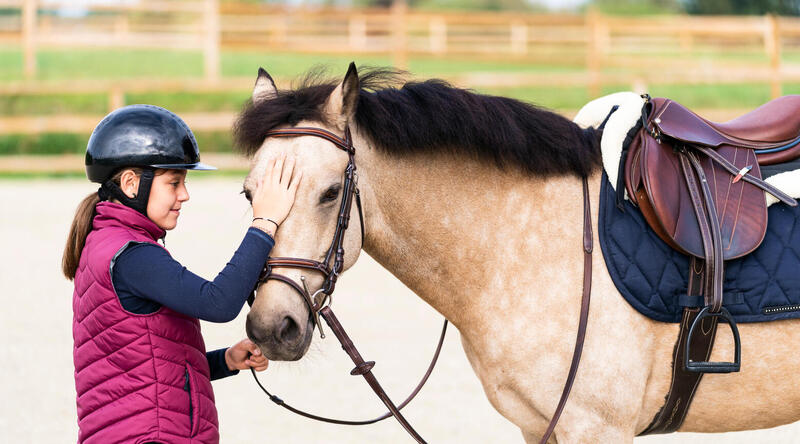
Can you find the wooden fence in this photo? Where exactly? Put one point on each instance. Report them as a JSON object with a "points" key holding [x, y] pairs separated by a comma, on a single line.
{"points": [[591, 40], [636, 51]]}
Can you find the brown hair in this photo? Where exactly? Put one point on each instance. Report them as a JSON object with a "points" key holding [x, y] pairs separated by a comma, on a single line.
{"points": [[82, 226]]}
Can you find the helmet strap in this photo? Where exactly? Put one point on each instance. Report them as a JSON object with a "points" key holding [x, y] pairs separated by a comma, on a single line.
{"points": [[110, 190]]}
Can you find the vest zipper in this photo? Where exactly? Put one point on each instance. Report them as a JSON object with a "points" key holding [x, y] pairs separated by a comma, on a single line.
{"points": [[187, 387]]}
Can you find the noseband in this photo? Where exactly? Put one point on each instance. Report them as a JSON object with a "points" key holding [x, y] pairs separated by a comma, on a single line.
{"points": [[321, 297]]}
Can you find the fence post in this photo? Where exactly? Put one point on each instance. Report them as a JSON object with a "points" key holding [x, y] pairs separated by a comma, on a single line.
{"points": [[212, 40], [400, 40], [29, 13], [116, 98], [595, 36], [519, 37], [772, 45], [686, 39], [357, 30], [121, 26], [437, 29]]}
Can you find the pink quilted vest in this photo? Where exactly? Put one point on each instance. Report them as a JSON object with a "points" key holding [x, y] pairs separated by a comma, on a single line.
{"points": [[139, 378]]}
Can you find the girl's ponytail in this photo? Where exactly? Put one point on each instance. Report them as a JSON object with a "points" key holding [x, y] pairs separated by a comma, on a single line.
{"points": [[81, 227]]}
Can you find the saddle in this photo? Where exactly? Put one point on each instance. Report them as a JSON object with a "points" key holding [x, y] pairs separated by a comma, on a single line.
{"points": [[698, 184]]}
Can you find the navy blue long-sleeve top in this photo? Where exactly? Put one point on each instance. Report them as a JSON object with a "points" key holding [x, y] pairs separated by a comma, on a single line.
{"points": [[146, 277]]}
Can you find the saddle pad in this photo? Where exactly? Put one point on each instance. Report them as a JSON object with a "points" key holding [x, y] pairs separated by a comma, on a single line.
{"points": [[652, 277]]}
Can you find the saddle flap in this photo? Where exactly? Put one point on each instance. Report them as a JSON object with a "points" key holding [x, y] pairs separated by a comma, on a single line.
{"points": [[741, 207]]}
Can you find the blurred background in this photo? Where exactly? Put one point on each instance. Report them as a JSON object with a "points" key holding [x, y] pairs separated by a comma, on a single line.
{"points": [[65, 64]]}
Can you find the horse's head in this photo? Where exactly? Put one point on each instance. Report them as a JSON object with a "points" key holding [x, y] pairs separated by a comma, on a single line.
{"points": [[281, 320]]}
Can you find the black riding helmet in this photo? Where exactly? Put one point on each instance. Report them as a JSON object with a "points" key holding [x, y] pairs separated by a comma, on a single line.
{"points": [[144, 136]]}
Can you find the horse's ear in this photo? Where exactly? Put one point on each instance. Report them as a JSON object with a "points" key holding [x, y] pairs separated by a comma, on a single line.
{"points": [[265, 87], [341, 104]]}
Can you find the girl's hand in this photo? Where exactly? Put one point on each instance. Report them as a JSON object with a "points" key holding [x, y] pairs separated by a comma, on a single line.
{"points": [[276, 190], [245, 354]]}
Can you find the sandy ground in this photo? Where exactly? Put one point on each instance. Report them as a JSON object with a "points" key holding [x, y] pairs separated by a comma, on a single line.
{"points": [[386, 321]]}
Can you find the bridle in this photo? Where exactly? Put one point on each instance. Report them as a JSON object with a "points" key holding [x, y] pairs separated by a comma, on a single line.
{"points": [[321, 297], [319, 302]]}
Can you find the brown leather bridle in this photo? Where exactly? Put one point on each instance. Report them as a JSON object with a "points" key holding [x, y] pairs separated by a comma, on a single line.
{"points": [[321, 297], [319, 302]]}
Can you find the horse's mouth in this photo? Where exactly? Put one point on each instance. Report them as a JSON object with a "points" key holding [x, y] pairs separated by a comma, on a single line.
{"points": [[285, 349]]}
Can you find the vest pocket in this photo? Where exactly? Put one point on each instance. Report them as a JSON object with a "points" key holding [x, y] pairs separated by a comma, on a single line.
{"points": [[192, 395]]}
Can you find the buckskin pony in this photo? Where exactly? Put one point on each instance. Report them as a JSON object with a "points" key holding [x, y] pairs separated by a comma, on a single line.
{"points": [[475, 203]]}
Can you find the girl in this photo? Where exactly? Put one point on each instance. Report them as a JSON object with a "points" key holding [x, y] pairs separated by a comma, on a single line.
{"points": [[142, 374]]}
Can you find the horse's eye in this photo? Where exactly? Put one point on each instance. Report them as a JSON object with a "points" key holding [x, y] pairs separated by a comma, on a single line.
{"points": [[330, 194], [247, 195]]}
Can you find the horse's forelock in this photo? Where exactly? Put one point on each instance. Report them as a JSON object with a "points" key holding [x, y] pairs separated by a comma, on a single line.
{"points": [[303, 101]]}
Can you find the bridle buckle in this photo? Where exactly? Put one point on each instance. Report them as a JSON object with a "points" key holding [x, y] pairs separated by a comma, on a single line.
{"points": [[319, 302]]}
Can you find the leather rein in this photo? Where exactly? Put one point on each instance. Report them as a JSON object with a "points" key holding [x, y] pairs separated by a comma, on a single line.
{"points": [[319, 302]]}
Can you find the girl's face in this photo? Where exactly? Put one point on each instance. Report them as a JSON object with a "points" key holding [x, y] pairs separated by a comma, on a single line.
{"points": [[167, 194]]}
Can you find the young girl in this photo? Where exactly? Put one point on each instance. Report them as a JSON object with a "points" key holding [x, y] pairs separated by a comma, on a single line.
{"points": [[142, 374]]}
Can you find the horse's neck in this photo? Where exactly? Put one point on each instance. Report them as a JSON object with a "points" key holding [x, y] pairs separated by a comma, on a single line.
{"points": [[463, 235]]}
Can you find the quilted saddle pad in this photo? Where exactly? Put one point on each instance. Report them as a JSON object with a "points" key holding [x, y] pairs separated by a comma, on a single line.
{"points": [[652, 277]]}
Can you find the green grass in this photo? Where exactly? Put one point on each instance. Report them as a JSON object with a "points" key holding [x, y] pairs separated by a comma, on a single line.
{"points": [[715, 96], [30, 105], [283, 65], [190, 102], [122, 64], [50, 143], [103, 64], [693, 96]]}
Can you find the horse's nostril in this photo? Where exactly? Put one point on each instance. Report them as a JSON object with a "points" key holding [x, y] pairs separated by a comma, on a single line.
{"points": [[256, 335], [289, 331]]}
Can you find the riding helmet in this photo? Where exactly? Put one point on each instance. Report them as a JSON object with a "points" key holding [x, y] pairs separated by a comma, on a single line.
{"points": [[143, 136]]}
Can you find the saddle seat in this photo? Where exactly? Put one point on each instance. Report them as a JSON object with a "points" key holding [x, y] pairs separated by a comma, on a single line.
{"points": [[773, 129], [775, 121]]}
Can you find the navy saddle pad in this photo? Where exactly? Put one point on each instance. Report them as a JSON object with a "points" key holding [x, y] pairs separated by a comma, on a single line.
{"points": [[653, 277]]}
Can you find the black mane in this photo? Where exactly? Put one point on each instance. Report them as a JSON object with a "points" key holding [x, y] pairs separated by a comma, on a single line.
{"points": [[433, 116]]}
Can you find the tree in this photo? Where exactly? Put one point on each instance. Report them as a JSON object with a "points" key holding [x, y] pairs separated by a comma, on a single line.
{"points": [[742, 7]]}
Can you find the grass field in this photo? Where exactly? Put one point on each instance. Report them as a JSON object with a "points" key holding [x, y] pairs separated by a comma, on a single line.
{"points": [[136, 64]]}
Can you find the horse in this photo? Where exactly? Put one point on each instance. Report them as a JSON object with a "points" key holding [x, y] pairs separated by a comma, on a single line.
{"points": [[474, 202]]}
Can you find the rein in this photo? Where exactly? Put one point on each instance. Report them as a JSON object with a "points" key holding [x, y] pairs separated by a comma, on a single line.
{"points": [[319, 302]]}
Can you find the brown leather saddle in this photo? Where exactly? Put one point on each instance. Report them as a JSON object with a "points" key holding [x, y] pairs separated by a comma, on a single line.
{"points": [[698, 184]]}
